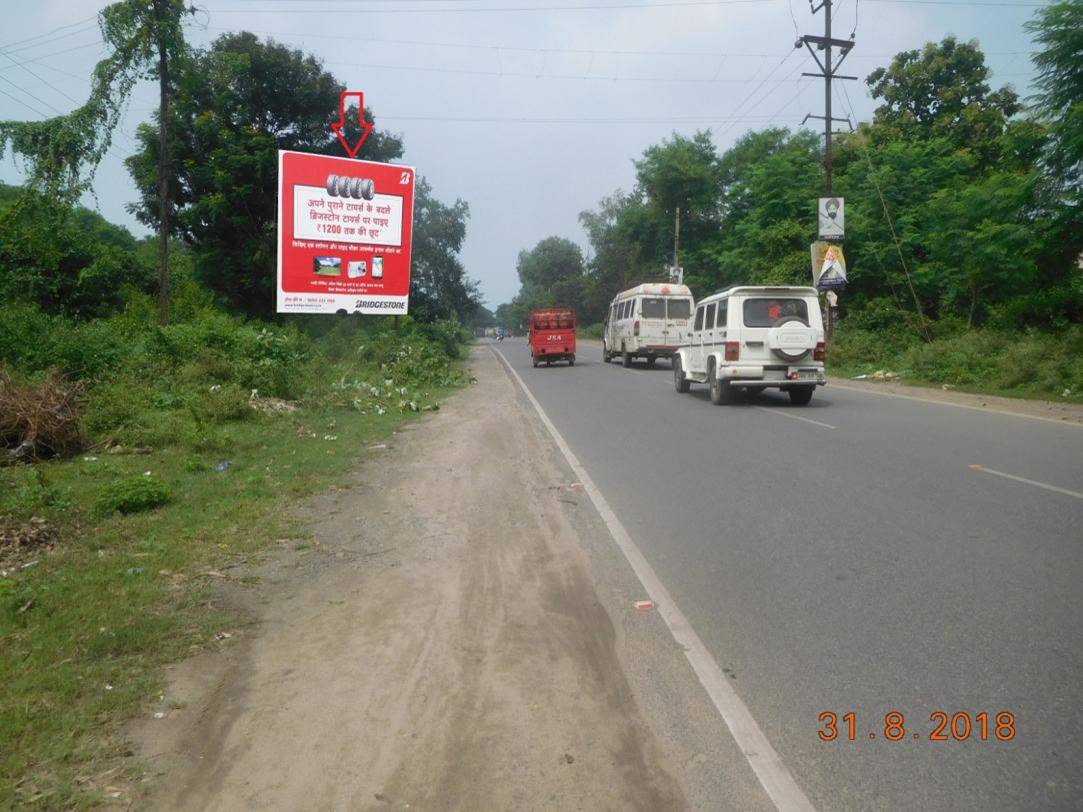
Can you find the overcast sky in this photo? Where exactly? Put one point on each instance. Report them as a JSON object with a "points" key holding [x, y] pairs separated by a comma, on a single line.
{"points": [[530, 110]]}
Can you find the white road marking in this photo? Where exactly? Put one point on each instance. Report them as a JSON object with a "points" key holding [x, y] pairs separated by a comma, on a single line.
{"points": [[983, 409], [773, 775], [781, 413], [1035, 483]]}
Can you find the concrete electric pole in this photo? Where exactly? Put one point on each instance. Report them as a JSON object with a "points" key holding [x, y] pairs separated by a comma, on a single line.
{"points": [[828, 71]]}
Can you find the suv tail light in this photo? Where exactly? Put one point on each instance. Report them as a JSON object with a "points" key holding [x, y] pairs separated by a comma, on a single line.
{"points": [[635, 329], [733, 350], [818, 353]]}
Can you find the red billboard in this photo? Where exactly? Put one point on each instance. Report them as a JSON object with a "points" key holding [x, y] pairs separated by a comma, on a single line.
{"points": [[344, 234]]}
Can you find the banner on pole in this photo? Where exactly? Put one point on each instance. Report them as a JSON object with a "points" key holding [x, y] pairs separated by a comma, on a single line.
{"points": [[831, 218], [828, 266]]}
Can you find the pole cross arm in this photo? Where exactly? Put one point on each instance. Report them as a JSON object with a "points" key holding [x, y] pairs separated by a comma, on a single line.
{"points": [[825, 76], [843, 45], [824, 118]]}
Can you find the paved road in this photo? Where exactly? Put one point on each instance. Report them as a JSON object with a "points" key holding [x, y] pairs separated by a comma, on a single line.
{"points": [[845, 556]]}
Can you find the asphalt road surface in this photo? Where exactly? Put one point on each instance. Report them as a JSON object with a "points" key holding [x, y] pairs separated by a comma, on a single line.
{"points": [[848, 556]]}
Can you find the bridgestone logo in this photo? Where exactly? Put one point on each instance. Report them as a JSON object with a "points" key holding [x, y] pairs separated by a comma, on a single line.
{"points": [[363, 304]]}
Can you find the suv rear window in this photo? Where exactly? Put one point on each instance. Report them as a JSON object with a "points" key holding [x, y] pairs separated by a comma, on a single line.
{"points": [[653, 308], [680, 309], [765, 312]]}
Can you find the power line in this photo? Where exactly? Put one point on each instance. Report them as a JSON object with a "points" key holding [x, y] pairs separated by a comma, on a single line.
{"points": [[591, 121], [22, 65], [24, 104], [490, 9], [890, 223], [550, 76], [28, 93], [9, 45], [591, 7], [479, 46], [740, 107], [40, 60], [30, 47]]}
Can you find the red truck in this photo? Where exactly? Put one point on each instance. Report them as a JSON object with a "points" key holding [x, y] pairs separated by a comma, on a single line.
{"points": [[552, 335]]}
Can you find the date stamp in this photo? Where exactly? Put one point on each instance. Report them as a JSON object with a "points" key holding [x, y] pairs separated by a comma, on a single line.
{"points": [[943, 726]]}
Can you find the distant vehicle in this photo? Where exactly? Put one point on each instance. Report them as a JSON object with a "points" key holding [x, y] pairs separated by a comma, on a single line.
{"points": [[552, 335], [754, 338], [648, 321], [499, 333]]}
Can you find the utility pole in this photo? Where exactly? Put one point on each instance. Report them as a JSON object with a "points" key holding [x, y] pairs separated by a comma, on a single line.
{"points": [[163, 164], [828, 71], [676, 246]]}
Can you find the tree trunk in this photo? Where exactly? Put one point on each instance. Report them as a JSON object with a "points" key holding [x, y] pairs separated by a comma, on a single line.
{"points": [[163, 168]]}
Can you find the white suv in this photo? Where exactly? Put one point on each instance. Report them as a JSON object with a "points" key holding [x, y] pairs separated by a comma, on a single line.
{"points": [[754, 338]]}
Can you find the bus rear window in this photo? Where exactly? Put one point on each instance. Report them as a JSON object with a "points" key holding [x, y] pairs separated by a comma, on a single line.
{"points": [[765, 312], [680, 309], [653, 308]]}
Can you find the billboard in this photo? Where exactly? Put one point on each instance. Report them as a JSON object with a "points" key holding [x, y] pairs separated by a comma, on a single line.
{"points": [[344, 235]]}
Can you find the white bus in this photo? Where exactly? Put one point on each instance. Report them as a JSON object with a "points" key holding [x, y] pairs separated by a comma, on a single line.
{"points": [[648, 321]]}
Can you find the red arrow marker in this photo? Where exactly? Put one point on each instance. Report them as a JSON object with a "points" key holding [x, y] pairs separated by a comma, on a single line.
{"points": [[336, 126]]}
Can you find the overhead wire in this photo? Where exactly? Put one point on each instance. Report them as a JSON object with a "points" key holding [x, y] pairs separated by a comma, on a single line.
{"points": [[13, 50], [889, 219], [551, 76], [40, 60], [492, 9], [8, 45]]}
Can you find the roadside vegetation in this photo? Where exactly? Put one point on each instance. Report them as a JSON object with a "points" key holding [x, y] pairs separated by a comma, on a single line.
{"points": [[145, 450], [194, 441], [982, 288]]}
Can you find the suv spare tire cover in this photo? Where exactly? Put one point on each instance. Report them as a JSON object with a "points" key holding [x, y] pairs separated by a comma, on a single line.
{"points": [[791, 338]]}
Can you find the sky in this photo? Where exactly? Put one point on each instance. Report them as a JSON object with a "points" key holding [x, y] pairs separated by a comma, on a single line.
{"points": [[529, 110]]}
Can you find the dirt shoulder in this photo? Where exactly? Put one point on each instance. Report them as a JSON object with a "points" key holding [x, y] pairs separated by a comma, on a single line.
{"points": [[440, 645]]}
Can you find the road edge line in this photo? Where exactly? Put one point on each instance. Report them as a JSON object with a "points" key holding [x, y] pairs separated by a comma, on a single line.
{"points": [[775, 778]]}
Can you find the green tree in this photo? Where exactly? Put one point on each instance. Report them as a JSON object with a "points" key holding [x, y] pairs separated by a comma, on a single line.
{"points": [[552, 273], [1058, 29], [63, 152], [439, 287], [68, 262], [235, 105], [942, 91]]}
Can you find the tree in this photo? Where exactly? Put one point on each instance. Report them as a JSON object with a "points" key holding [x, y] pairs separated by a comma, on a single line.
{"points": [[1058, 28], [552, 273], [439, 288], [942, 91], [62, 153], [235, 105], [67, 262]]}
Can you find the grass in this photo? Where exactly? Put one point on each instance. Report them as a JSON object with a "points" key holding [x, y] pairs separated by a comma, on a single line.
{"points": [[202, 478], [1033, 365], [86, 629]]}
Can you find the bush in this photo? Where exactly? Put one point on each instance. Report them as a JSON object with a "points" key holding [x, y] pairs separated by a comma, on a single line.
{"points": [[223, 403], [131, 495], [40, 419], [595, 331]]}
